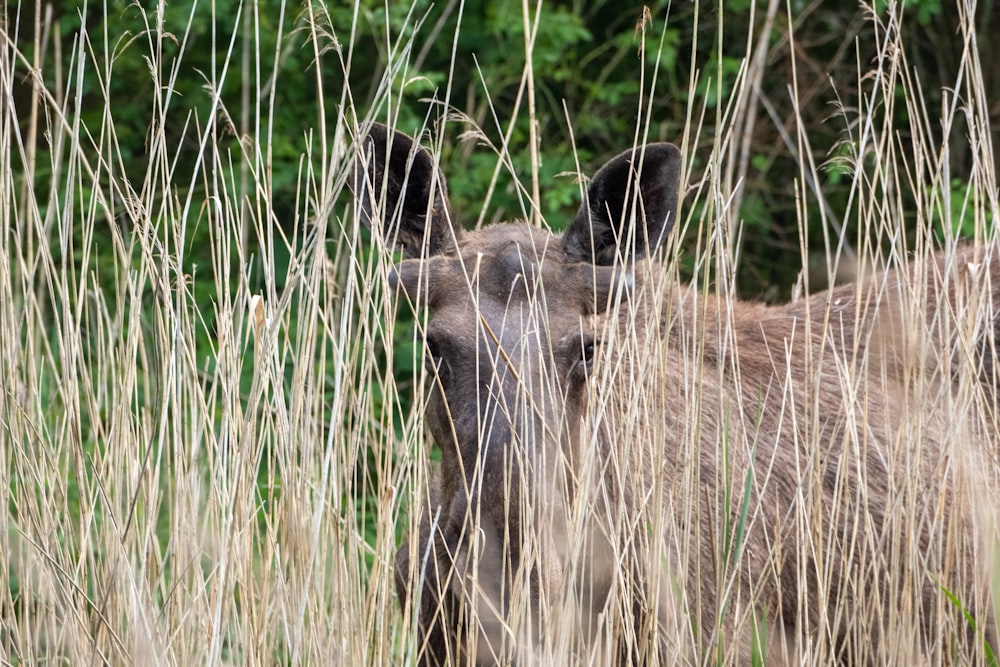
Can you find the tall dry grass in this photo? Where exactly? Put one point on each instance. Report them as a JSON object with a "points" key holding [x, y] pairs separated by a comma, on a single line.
{"points": [[227, 487]]}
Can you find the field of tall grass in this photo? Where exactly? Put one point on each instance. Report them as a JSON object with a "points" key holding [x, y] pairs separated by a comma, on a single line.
{"points": [[209, 451]]}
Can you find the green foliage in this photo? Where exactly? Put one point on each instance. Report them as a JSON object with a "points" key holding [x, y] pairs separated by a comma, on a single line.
{"points": [[965, 205], [924, 10], [758, 643]]}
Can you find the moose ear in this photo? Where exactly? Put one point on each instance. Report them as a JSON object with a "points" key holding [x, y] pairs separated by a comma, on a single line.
{"points": [[394, 181], [639, 186]]}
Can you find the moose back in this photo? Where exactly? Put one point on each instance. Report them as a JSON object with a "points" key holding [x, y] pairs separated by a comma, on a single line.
{"points": [[634, 472]]}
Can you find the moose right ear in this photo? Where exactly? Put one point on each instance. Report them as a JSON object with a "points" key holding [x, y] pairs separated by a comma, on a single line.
{"points": [[394, 181], [630, 208]]}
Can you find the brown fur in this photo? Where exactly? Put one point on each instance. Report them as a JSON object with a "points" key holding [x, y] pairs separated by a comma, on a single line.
{"points": [[842, 432]]}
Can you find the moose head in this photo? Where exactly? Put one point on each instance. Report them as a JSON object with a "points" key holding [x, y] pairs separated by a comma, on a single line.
{"points": [[513, 332]]}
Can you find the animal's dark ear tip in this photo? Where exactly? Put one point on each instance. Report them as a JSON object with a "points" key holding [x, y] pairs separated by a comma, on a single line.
{"points": [[372, 133], [377, 130], [667, 149], [665, 158], [368, 138]]}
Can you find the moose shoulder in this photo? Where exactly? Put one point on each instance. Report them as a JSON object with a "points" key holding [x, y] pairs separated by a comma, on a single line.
{"points": [[636, 473]]}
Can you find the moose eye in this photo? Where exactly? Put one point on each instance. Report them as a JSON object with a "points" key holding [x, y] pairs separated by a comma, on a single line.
{"points": [[587, 353]]}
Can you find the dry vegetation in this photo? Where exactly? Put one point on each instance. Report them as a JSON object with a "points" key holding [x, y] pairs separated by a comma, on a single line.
{"points": [[225, 480]]}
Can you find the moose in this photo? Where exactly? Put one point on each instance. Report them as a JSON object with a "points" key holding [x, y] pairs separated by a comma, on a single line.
{"points": [[634, 471]]}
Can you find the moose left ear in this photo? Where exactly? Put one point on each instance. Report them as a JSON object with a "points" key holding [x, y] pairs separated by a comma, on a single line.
{"points": [[392, 169], [639, 186]]}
